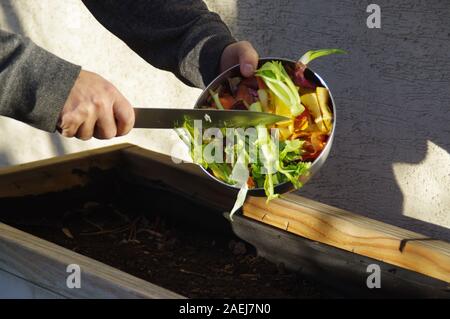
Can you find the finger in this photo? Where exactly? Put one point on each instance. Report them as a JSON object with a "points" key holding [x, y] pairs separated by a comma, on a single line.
{"points": [[69, 130], [123, 114], [248, 59], [105, 127], [70, 123], [86, 129]]}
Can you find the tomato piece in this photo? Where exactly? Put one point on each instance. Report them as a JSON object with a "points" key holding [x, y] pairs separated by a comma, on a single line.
{"points": [[309, 157], [308, 147]]}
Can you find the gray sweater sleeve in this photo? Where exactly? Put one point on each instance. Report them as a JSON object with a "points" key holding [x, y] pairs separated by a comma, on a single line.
{"points": [[180, 36], [34, 84]]}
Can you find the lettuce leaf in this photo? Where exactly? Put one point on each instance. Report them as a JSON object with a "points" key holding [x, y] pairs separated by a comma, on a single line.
{"points": [[279, 83], [240, 173], [314, 54]]}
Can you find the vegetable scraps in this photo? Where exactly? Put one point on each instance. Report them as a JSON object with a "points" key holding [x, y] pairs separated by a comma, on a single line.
{"points": [[284, 154]]}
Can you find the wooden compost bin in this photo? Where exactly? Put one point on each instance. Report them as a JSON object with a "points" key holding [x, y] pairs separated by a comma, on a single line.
{"points": [[322, 242]]}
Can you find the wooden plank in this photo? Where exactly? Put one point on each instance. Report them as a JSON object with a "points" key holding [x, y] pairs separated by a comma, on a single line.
{"points": [[300, 216], [57, 173], [44, 264], [342, 272], [14, 287], [351, 232]]}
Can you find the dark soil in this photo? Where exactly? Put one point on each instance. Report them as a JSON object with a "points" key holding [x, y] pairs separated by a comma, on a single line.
{"points": [[158, 236]]}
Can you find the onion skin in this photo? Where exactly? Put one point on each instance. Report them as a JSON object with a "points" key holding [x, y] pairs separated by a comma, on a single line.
{"points": [[299, 77]]}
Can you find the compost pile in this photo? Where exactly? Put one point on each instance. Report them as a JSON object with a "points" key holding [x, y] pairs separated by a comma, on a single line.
{"points": [[154, 235]]}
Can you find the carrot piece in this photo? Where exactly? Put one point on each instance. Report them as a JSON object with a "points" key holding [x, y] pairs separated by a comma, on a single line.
{"points": [[227, 101], [250, 182]]}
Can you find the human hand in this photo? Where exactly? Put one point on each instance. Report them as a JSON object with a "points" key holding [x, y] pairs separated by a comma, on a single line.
{"points": [[95, 108], [242, 53]]}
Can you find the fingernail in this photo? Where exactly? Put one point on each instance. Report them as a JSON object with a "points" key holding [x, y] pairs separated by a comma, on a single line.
{"points": [[247, 69]]}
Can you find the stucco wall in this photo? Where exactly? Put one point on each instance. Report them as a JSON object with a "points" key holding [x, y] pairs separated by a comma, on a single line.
{"points": [[391, 156]]}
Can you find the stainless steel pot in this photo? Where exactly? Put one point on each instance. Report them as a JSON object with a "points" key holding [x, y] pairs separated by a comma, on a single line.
{"points": [[316, 165]]}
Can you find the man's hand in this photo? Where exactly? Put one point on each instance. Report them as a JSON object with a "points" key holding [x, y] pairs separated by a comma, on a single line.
{"points": [[95, 108], [242, 53]]}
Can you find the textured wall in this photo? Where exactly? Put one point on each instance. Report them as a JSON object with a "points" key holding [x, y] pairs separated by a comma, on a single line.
{"points": [[390, 159], [391, 156]]}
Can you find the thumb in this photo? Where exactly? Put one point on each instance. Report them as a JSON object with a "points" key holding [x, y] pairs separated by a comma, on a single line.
{"points": [[248, 58]]}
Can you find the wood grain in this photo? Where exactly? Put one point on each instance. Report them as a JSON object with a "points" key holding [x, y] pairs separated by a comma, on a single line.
{"points": [[343, 272], [56, 173], [14, 287], [358, 234], [44, 264]]}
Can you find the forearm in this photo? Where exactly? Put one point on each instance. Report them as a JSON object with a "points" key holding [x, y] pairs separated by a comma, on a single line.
{"points": [[34, 84], [182, 37]]}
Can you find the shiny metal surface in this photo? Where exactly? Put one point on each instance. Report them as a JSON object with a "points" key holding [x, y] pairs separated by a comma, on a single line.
{"points": [[172, 118]]}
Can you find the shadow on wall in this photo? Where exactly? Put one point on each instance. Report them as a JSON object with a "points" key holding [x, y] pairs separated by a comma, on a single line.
{"points": [[57, 145], [4, 159], [391, 92]]}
